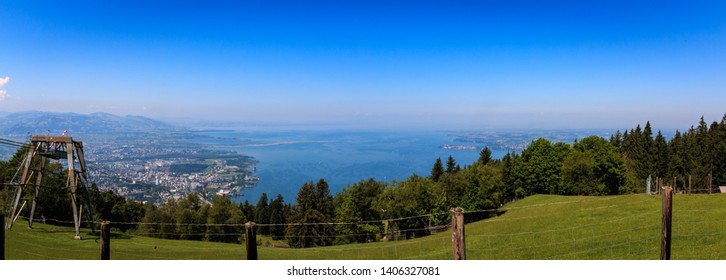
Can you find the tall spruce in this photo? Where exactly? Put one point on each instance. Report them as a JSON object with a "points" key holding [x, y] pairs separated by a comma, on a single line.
{"points": [[485, 155], [278, 216], [451, 165], [262, 214], [661, 157], [677, 152], [309, 217], [437, 170]]}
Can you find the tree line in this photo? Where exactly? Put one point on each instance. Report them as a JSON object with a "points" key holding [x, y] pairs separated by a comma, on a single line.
{"points": [[369, 210]]}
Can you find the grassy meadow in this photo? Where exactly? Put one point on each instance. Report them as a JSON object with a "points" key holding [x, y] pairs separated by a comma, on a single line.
{"points": [[538, 227]]}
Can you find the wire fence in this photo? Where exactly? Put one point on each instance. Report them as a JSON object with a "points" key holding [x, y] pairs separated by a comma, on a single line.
{"points": [[54, 242], [618, 227]]}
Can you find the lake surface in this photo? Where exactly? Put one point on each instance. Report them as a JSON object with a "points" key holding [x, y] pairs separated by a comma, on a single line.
{"points": [[289, 159]]}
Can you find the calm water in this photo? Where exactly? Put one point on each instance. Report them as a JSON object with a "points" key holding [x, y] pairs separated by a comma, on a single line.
{"points": [[289, 159]]}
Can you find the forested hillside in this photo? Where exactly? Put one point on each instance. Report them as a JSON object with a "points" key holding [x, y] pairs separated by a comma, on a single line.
{"points": [[371, 210]]}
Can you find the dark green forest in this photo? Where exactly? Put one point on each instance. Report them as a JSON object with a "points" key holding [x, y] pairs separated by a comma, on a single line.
{"points": [[371, 210]]}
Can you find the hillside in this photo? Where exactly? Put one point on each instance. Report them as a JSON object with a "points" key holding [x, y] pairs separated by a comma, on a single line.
{"points": [[538, 227], [41, 123]]}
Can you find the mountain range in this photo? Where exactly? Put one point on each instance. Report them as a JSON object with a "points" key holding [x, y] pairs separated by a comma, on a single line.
{"points": [[41, 123]]}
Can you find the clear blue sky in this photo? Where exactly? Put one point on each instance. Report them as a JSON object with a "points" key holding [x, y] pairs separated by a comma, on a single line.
{"points": [[427, 64]]}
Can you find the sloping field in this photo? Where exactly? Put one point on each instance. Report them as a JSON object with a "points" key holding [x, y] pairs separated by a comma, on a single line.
{"points": [[538, 227]]}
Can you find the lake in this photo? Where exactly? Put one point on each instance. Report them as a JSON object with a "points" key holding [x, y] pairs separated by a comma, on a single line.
{"points": [[289, 159]]}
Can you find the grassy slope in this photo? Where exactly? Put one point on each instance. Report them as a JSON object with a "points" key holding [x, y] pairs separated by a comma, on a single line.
{"points": [[539, 227]]}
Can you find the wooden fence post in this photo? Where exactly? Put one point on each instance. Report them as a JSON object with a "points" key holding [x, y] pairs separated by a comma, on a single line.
{"points": [[660, 182], [2, 236], [105, 240], [675, 186], [689, 184], [251, 241], [457, 236], [665, 242]]}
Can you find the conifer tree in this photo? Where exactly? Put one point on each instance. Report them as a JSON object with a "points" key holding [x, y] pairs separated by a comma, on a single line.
{"points": [[277, 217], [485, 156], [262, 214], [437, 170], [661, 157], [450, 165], [307, 219]]}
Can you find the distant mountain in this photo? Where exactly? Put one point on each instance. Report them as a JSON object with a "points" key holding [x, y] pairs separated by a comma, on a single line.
{"points": [[40, 123]]}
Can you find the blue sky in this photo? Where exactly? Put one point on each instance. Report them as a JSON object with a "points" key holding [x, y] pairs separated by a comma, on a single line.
{"points": [[373, 64]]}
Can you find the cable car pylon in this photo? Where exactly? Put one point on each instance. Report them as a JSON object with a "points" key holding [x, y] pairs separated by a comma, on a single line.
{"points": [[57, 148]]}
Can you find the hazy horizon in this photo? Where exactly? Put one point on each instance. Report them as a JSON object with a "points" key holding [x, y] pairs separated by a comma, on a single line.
{"points": [[372, 64], [338, 125]]}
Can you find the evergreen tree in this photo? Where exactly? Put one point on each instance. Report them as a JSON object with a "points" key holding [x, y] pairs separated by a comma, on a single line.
{"points": [[678, 156], [437, 170], [719, 167], [508, 192], [307, 219], [617, 140], [485, 156], [711, 148], [451, 165], [326, 200], [661, 157], [694, 165], [278, 216], [262, 215], [648, 154], [248, 211]]}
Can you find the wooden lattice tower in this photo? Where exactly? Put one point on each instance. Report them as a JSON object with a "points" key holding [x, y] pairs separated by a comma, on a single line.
{"points": [[57, 148]]}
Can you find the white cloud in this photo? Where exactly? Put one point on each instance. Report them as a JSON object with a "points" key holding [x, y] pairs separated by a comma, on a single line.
{"points": [[3, 92]]}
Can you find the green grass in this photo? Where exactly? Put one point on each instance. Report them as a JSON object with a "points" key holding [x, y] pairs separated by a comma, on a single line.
{"points": [[538, 227]]}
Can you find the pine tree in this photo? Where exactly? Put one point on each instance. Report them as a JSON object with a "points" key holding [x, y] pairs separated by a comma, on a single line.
{"points": [[719, 166], [648, 154], [450, 165], [262, 214], [507, 177], [617, 140], [485, 156], [277, 217], [299, 233], [307, 219], [661, 157], [437, 170], [248, 211], [678, 156]]}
